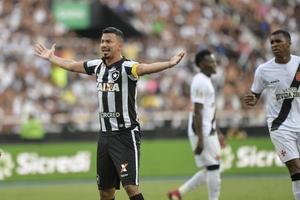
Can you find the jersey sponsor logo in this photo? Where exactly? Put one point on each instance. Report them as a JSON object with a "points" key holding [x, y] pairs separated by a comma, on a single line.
{"points": [[289, 93], [110, 114], [275, 81], [115, 75], [108, 87]]}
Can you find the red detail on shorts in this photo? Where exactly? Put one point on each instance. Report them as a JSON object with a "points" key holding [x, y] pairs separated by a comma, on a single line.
{"points": [[298, 76]]}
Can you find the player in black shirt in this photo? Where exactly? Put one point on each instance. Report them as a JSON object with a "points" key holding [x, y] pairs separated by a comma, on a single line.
{"points": [[119, 142]]}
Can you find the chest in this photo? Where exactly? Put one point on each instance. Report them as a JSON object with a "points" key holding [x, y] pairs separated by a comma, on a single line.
{"points": [[109, 75], [109, 79], [279, 78]]}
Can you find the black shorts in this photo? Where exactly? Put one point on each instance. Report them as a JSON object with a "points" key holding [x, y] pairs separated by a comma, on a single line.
{"points": [[118, 158]]}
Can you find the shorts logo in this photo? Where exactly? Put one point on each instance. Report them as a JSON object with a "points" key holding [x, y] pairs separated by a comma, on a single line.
{"points": [[123, 167], [98, 179], [298, 76], [115, 75], [283, 153]]}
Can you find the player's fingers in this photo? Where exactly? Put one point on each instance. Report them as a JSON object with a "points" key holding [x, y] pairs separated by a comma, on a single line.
{"points": [[179, 57], [250, 103], [37, 54], [246, 100], [249, 97], [37, 51], [38, 48], [53, 47]]}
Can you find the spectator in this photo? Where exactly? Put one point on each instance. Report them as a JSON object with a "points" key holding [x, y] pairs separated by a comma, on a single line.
{"points": [[239, 40]]}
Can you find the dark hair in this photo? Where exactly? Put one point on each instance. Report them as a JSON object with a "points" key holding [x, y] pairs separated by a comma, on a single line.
{"points": [[200, 56], [284, 33], [114, 30]]}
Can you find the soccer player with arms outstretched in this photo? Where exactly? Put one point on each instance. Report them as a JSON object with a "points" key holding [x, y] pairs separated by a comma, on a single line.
{"points": [[118, 151], [280, 77]]}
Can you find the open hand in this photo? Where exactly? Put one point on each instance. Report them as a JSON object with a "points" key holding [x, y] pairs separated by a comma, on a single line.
{"points": [[41, 51], [176, 59]]}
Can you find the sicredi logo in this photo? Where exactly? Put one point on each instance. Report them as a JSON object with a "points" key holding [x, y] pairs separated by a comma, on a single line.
{"points": [[110, 114], [6, 165], [248, 156], [28, 163]]}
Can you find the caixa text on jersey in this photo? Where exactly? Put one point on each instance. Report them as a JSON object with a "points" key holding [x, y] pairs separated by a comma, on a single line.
{"points": [[108, 87], [109, 114]]}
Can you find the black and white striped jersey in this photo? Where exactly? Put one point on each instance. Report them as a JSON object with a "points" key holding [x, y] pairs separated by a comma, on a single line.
{"points": [[281, 82], [117, 92]]}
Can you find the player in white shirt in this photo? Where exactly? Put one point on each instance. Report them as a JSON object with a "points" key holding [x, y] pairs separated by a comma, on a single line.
{"points": [[202, 131], [280, 77]]}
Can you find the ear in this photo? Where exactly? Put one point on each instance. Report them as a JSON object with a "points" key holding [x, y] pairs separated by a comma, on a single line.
{"points": [[120, 45]]}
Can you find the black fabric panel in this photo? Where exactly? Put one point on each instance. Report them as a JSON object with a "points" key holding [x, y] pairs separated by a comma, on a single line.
{"points": [[286, 106]]}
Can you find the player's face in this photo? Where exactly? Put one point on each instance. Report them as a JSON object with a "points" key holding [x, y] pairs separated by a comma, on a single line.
{"points": [[110, 45], [280, 45], [209, 64]]}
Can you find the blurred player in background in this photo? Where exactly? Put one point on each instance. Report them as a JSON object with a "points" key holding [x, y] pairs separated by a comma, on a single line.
{"points": [[119, 141], [280, 76], [202, 131]]}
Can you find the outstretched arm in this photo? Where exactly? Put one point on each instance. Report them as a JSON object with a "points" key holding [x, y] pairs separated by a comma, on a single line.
{"points": [[67, 64], [143, 69]]}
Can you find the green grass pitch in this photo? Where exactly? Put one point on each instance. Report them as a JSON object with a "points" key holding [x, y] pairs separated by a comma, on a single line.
{"points": [[161, 161], [233, 188]]}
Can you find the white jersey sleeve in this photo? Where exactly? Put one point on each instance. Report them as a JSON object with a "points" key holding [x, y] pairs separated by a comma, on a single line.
{"points": [[258, 84], [198, 91]]}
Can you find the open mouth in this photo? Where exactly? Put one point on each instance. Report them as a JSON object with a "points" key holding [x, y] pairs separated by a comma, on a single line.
{"points": [[105, 50], [276, 51]]}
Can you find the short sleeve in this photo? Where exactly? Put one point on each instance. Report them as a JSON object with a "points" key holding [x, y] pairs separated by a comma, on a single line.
{"points": [[197, 92], [258, 84], [131, 69], [91, 65]]}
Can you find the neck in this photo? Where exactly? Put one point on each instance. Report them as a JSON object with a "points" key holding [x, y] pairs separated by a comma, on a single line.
{"points": [[283, 59], [112, 60], [208, 74]]}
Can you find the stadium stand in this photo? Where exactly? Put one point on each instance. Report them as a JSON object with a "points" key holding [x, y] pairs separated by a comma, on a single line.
{"points": [[29, 86]]}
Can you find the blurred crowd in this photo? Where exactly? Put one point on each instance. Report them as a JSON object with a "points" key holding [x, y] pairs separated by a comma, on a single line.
{"points": [[235, 30]]}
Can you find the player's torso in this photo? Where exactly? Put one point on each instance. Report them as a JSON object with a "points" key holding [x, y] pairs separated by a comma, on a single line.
{"points": [[209, 107], [114, 89], [278, 79]]}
